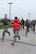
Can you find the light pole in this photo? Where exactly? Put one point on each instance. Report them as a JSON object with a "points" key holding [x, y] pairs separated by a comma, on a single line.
{"points": [[29, 16], [10, 9]]}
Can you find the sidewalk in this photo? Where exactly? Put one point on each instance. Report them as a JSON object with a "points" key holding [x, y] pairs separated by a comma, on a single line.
{"points": [[21, 47]]}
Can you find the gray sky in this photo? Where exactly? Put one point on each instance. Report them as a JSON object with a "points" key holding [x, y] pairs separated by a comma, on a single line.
{"points": [[19, 8]]}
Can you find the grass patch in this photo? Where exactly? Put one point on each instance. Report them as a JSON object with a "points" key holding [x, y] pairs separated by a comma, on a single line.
{"points": [[2, 26]]}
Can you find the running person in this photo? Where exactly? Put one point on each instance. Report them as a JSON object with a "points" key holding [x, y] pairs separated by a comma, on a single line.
{"points": [[33, 28], [22, 22], [5, 22], [27, 26], [16, 27]]}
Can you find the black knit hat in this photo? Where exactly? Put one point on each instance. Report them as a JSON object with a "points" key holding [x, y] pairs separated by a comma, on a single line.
{"points": [[15, 17]]}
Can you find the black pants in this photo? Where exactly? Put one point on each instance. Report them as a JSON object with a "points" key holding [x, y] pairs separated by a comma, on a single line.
{"points": [[27, 30], [23, 26]]}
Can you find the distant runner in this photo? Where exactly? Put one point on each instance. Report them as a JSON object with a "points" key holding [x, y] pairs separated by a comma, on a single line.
{"points": [[27, 24], [22, 22]]}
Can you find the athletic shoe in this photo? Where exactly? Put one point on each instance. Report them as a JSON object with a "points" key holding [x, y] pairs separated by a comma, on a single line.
{"points": [[12, 43]]}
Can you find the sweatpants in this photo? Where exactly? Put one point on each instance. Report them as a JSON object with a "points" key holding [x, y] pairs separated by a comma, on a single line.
{"points": [[5, 31], [16, 34]]}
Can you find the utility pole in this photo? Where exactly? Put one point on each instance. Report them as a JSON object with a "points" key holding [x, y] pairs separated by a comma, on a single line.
{"points": [[29, 16], [10, 9]]}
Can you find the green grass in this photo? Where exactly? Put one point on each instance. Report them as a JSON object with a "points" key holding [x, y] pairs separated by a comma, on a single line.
{"points": [[2, 27]]}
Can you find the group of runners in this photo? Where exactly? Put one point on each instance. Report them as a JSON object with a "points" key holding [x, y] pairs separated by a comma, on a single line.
{"points": [[17, 25]]}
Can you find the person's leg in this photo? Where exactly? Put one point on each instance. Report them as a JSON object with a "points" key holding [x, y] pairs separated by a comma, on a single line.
{"points": [[33, 29], [18, 37], [13, 31], [3, 35], [14, 40], [23, 27], [17, 33], [15, 36], [8, 32], [26, 31]]}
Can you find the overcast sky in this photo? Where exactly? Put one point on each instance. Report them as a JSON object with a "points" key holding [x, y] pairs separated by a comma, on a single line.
{"points": [[19, 8]]}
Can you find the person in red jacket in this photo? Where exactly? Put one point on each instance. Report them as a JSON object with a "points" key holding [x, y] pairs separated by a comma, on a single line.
{"points": [[16, 27]]}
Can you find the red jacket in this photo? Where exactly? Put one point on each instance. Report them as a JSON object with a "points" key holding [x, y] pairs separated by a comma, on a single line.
{"points": [[16, 21], [16, 26]]}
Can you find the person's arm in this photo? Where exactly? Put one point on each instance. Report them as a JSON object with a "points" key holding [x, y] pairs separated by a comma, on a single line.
{"points": [[25, 23], [1, 20], [9, 20], [20, 27]]}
